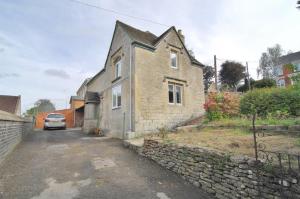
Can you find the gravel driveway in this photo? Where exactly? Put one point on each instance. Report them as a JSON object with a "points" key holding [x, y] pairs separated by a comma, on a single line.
{"points": [[68, 164]]}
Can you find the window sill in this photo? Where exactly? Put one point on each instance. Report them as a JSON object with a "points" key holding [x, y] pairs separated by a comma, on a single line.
{"points": [[173, 104], [116, 108], [115, 80]]}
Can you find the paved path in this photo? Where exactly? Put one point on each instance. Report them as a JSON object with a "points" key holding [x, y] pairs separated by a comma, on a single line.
{"points": [[67, 164]]}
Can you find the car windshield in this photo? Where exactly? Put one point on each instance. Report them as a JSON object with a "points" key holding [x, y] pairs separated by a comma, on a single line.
{"points": [[55, 116]]}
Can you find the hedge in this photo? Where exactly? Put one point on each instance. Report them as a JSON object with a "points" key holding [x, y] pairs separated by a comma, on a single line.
{"points": [[274, 101]]}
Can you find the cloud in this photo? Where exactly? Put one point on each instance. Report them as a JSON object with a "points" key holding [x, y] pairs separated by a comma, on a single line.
{"points": [[2, 50], [4, 75], [57, 73]]}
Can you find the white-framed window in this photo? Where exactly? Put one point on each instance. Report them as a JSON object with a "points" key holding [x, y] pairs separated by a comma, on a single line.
{"points": [[173, 59], [116, 96], [118, 69], [281, 83], [175, 93]]}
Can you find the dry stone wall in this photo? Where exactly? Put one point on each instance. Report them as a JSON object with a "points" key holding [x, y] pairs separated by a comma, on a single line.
{"points": [[219, 174]]}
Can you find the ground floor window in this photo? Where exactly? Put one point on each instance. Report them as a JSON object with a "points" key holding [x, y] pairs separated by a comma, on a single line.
{"points": [[175, 93], [116, 96], [281, 83]]}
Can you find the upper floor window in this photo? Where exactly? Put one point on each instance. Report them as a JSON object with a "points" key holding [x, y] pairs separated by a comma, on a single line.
{"points": [[118, 69], [175, 93], [174, 60], [297, 67], [116, 96]]}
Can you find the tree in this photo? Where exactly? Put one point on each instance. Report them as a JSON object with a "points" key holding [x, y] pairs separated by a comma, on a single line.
{"points": [[42, 105], [268, 61], [231, 74], [208, 75]]}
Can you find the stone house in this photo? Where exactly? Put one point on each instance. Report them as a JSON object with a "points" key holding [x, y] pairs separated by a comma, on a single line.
{"points": [[148, 82]]}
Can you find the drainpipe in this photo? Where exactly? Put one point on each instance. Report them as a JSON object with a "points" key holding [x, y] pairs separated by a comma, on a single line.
{"points": [[130, 85]]}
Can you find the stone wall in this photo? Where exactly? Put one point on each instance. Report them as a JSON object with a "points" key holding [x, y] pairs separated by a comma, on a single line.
{"points": [[153, 73], [12, 130], [219, 174]]}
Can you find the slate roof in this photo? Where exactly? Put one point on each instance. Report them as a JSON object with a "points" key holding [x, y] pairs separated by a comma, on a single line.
{"points": [[286, 59], [84, 83], [147, 38], [139, 35], [151, 39], [92, 97], [75, 97], [9, 103]]}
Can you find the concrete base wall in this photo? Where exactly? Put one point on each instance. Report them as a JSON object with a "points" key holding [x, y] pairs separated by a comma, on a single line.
{"points": [[89, 125]]}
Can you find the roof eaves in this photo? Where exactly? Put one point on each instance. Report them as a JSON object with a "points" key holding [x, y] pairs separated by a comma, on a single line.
{"points": [[163, 35], [193, 60], [143, 45]]}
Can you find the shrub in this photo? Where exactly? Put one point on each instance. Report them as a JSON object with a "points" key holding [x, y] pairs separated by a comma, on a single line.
{"points": [[220, 105], [264, 83], [271, 102]]}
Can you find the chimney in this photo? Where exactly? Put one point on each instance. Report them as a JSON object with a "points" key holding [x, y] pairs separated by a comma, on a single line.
{"points": [[181, 35]]}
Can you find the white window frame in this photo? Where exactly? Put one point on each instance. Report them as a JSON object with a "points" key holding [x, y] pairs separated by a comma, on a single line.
{"points": [[116, 93], [174, 85], [118, 69], [170, 84], [181, 88], [176, 56], [281, 83]]}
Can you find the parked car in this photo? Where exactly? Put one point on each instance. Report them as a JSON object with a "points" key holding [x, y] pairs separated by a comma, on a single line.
{"points": [[55, 120]]}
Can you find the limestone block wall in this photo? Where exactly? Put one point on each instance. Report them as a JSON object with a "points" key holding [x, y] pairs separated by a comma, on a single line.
{"points": [[12, 131], [219, 174], [153, 73]]}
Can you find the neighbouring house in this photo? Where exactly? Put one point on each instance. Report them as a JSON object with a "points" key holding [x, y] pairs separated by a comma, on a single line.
{"points": [[10, 104], [77, 105], [283, 70], [82, 89], [148, 82]]}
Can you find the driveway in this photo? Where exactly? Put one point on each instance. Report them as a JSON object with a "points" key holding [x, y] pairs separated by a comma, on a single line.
{"points": [[68, 164]]}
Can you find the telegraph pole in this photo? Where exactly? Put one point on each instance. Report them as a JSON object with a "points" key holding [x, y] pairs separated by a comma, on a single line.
{"points": [[216, 72], [248, 76]]}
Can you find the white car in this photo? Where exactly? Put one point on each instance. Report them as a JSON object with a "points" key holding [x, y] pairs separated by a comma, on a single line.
{"points": [[55, 120]]}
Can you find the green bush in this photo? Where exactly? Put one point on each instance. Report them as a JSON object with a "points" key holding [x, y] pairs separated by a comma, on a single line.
{"points": [[264, 83], [272, 102]]}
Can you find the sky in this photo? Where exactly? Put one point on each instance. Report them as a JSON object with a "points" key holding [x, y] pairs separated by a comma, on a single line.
{"points": [[48, 48]]}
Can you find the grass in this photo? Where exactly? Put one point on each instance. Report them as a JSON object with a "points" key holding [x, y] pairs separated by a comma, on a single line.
{"points": [[230, 122], [234, 141], [297, 142]]}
